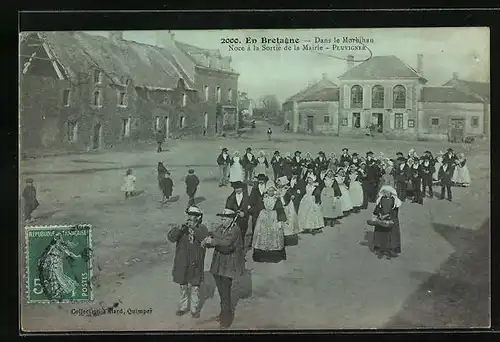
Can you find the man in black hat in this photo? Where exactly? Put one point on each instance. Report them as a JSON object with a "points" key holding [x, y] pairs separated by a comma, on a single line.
{"points": [[228, 262], [30, 200], [269, 133], [238, 201], [449, 157], [297, 164], [277, 164], [223, 161], [445, 174], [256, 199], [320, 163], [249, 162], [428, 168], [373, 174], [189, 260], [345, 157], [355, 160], [401, 177]]}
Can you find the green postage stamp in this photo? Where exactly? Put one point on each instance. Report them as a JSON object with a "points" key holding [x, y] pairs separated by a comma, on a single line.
{"points": [[59, 263]]}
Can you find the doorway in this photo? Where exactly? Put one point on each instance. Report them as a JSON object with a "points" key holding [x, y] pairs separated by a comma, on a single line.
{"points": [[378, 121], [167, 127], [205, 124], [310, 124], [97, 136], [457, 130]]}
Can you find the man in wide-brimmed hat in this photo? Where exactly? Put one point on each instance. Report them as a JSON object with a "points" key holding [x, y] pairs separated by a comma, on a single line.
{"points": [[223, 160], [249, 162], [30, 202], [189, 260], [277, 164], [320, 163], [238, 201], [256, 199], [345, 157], [297, 163], [228, 262], [450, 156], [373, 174]]}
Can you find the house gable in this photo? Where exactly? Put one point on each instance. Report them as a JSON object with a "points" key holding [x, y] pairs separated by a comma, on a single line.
{"points": [[35, 58]]}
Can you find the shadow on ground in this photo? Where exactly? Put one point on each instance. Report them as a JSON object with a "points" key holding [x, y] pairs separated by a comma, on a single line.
{"points": [[458, 294]]}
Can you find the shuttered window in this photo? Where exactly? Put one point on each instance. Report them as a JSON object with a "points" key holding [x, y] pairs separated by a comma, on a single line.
{"points": [[378, 96], [399, 97], [398, 121], [356, 97]]}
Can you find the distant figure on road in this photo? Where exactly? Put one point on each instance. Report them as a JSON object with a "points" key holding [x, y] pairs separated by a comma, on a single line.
{"points": [[269, 133], [30, 200], [192, 182], [162, 171], [253, 124], [387, 234], [228, 262], [128, 186], [223, 160], [189, 260], [160, 138]]}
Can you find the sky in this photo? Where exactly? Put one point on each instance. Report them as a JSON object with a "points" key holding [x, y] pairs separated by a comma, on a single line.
{"points": [[284, 73]]}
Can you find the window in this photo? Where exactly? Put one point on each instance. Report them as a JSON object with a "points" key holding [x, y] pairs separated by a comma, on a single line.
{"points": [[356, 97], [157, 123], [356, 120], [398, 121], [378, 96], [182, 122], [411, 123], [434, 122], [126, 127], [399, 99], [205, 89], [72, 132], [97, 98], [122, 99], [218, 94], [66, 96], [229, 95], [97, 76], [474, 121], [326, 119], [184, 100], [344, 121]]}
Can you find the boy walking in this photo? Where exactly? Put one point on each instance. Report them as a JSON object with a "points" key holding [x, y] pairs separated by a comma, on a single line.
{"points": [[30, 200], [192, 183]]}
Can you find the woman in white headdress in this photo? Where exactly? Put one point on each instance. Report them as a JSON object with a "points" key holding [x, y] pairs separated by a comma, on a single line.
{"points": [[310, 216], [236, 173], [262, 164], [268, 237], [461, 174], [355, 188], [291, 225], [387, 236], [437, 166], [345, 200], [330, 199]]}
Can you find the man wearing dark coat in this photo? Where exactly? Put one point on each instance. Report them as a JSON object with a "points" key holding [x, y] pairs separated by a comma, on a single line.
{"points": [[189, 260], [373, 174], [30, 200], [355, 160], [249, 162], [228, 262], [256, 200], [287, 167], [277, 164], [427, 170], [320, 164], [401, 177], [297, 164], [192, 182], [445, 175], [415, 172], [223, 160], [449, 157], [160, 138], [345, 157], [362, 177], [238, 202]]}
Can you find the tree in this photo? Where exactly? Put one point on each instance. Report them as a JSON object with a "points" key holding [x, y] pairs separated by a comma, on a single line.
{"points": [[270, 105]]}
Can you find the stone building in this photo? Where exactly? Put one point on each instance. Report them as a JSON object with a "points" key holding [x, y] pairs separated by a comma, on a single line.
{"points": [[83, 92], [386, 93]]}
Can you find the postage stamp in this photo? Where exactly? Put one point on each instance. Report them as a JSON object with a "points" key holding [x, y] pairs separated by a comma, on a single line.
{"points": [[59, 263]]}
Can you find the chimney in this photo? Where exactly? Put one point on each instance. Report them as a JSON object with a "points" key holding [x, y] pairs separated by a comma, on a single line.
{"points": [[165, 39], [350, 62], [420, 64], [115, 36], [455, 75]]}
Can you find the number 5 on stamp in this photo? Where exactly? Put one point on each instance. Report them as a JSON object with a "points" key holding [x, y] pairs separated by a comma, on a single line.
{"points": [[59, 263]]}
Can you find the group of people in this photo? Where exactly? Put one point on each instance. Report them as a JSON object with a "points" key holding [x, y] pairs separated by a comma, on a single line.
{"points": [[304, 196]]}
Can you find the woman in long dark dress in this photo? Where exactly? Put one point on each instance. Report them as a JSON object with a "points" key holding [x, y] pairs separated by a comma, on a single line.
{"points": [[387, 240]]}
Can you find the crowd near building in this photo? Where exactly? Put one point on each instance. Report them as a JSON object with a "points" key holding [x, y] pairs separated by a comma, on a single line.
{"points": [[394, 99], [87, 91]]}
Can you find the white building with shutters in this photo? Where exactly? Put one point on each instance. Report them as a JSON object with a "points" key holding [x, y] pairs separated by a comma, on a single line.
{"points": [[383, 91]]}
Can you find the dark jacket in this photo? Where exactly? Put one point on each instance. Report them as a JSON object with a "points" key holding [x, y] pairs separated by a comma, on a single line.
{"points": [[449, 159], [221, 161], [160, 137], [403, 175], [232, 204], [189, 257], [166, 186], [29, 197], [192, 183], [345, 158], [255, 200], [373, 171], [321, 165], [277, 164], [446, 176], [427, 170], [228, 259], [296, 165], [287, 168], [297, 191], [248, 164]]}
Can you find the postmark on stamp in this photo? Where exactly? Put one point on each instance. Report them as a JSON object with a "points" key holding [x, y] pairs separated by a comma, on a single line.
{"points": [[59, 263]]}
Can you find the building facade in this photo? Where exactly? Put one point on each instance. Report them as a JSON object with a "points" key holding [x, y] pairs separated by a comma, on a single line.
{"points": [[84, 92]]}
